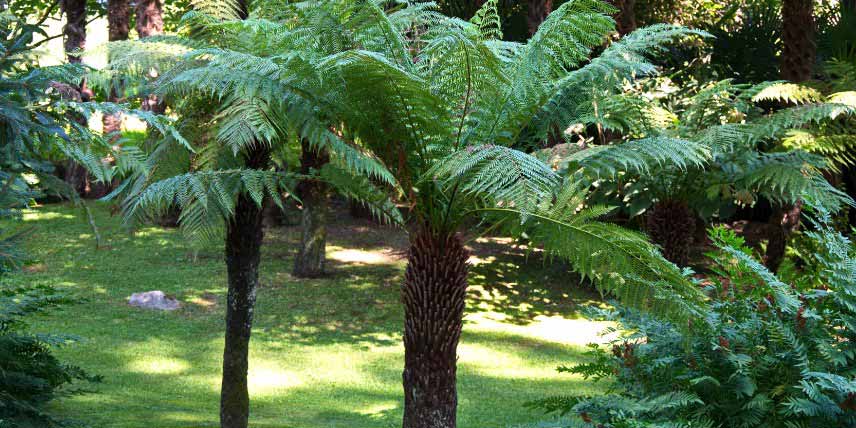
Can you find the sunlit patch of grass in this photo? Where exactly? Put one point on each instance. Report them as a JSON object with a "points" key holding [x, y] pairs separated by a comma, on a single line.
{"points": [[324, 353]]}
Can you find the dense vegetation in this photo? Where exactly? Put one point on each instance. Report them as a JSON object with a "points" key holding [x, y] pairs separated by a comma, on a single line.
{"points": [[692, 161]]}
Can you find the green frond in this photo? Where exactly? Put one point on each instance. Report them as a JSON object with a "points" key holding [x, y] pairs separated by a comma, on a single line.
{"points": [[219, 9], [488, 21], [362, 190], [792, 176], [504, 176], [205, 196], [618, 261], [638, 157], [788, 93], [565, 39]]}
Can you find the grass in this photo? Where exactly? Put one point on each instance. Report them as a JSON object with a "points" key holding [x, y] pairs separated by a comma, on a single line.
{"points": [[324, 353]]}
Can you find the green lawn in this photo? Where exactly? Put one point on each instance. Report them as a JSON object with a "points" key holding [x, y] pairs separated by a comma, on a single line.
{"points": [[324, 353]]}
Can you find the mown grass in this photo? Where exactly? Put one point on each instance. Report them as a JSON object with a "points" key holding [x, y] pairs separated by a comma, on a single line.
{"points": [[324, 353]]}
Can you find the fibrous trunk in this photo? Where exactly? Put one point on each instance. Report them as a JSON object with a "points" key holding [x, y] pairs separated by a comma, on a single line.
{"points": [[243, 252], [536, 12], [798, 40], [671, 225], [313, 221], [434, 294]]}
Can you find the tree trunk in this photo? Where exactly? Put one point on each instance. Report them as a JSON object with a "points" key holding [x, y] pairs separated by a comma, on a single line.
{"points": [[671, 225], [118, 24], [149, 18], [625, 19], [536, 12], [74, 33], [434, 295], [784, 221], [798, 39], [75, 28], [150, 23], [313, 224], [244, 234], [797, 65]]}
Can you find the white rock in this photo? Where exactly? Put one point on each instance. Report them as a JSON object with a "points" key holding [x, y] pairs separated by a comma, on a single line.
{"points": [[154, 300]]}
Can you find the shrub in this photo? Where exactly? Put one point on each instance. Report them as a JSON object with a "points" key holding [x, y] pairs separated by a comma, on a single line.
{"points": [[30, 375], [768, 354]]}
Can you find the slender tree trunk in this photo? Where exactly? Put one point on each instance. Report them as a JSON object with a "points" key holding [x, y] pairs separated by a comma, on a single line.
{"points": [[313, 224], [536, 12], [118, 24], [798, 40], [244, 234], [434, 295], [75, 28], [74, 33], [150, 23], [625, 19]]}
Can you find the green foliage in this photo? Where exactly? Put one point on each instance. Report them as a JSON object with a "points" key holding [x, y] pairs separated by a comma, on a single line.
{"points": [[420, 107], [768, 353], [30, 375], [33, 124], [723, 150]]}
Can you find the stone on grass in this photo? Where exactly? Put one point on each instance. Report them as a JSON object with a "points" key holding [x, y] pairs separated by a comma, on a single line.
{"points": [[154, 300]]}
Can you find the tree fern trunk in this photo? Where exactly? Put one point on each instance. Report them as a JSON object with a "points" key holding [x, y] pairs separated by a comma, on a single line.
{"points": [[311, 256], [536, 12], [434, 294], [243, 252], [671, 225], [798, 40]]}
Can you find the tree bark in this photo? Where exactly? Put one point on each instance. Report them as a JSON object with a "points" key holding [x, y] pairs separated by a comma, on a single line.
{"points": [[536, 12], [434, 295], [625, 19], [75, 28], [149, 18], [314, 194], [672, 224], [244, 234], [150, 23], [798, 39], [118, 24], [74, 33]]}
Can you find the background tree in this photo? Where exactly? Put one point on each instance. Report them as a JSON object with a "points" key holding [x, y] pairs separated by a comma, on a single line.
{"points": [[119, 26], [799, 46], [536, 13], [314, 197], [74, 33], [149, 14]]}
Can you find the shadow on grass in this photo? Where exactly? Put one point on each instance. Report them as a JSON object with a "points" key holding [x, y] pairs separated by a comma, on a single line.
{"points": [[325, 352]]}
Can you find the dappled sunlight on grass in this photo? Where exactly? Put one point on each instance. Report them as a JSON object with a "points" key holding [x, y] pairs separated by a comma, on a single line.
{"points": [[159, 366], [42, 215], [325, 352], [266, 378], [351, 255]]}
